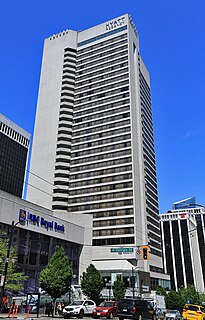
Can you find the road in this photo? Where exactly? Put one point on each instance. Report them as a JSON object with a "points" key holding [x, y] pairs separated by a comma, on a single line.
{"points": [[22, 316]]}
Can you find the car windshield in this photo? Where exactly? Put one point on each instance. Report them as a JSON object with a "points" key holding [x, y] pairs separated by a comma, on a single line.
{"points": [[76, 303], [106, 304], [193, 308], [172, 311]]}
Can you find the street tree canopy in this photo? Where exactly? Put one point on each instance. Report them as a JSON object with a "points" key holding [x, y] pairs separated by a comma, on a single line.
{"points": [[118, 288], [55, 278], [92, 283], [14, 279]]}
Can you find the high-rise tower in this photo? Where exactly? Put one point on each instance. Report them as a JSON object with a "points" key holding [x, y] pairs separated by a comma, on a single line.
{"points": [[93, 140], [14, 145]]}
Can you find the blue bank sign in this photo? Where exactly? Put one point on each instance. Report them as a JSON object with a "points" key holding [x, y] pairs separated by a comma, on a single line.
{"points": [[39, 221]]}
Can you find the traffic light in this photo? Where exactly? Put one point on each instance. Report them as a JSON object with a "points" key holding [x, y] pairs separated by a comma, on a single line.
{"points": [[145, 253]]}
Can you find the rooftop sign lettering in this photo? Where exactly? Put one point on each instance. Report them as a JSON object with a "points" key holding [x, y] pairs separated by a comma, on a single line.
{"points": [[115, 23]]}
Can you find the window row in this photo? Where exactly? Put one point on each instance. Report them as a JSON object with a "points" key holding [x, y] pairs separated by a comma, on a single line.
{"points": [[96, 150], [100, 172], [113, 222], [113, 232], [102, 94], [100, 135], [109, 76], [112, 213], [106, 196], [109, 187], [102, 101], [90, 49], [94, 110], [101, 165], [113, 64], [107, 156], [103, 57], [125, 176], [102, 205], [99, 121], [106, 47], [101, 142], [106, 87], [113, 241], [91, 75]]}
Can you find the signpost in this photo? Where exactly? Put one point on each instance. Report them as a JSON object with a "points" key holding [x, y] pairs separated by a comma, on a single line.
{"points": [[122, 250]]}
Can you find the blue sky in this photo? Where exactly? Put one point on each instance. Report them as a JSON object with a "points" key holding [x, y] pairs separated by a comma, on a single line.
{"points": [[172, 44]]}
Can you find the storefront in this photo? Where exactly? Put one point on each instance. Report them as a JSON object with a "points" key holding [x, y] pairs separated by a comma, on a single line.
{"points": [[37, 232]]}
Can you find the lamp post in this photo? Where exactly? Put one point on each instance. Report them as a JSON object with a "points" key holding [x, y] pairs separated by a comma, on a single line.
{"points": [[108, 285], [10, 237], [133, 281], [73, 276]]}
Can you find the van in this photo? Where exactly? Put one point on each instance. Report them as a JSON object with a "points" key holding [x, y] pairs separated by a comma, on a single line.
{"points": [[136, 309]]}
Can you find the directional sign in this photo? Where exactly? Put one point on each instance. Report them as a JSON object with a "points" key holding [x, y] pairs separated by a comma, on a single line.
{"points": [[122, 250]]}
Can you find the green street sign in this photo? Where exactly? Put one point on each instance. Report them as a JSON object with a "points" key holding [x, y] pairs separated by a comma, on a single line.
{"points": [[122, 250]]}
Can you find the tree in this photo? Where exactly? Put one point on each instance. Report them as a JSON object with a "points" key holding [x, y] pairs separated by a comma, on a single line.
{"points": [[92, 283], [14, 278], [160, 291], [118, 288], [55, 278], [174, 300], [190, 294]]}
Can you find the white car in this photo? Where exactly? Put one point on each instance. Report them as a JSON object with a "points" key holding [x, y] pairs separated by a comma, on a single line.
{"points": [[79, 309]]}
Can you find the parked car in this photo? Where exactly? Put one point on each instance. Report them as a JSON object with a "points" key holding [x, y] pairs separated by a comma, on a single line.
{"points": [[173, 315], [194, 312], [106, 309], [159, 314], [79, 309], [135, 309]]}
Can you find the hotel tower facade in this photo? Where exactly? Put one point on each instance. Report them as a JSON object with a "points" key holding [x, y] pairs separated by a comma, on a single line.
{"points": [[93, 147]]}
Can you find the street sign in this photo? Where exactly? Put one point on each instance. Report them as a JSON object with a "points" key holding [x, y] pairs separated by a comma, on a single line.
{"points": [[122, 250]]}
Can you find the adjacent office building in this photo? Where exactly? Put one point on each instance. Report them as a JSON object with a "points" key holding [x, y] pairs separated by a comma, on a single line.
{"points": [[14, 145], [93, 141], [183, 240]]}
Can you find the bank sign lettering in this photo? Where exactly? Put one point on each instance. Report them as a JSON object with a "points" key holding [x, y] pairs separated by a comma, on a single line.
{"points": [[115, 23], [40, 221]]}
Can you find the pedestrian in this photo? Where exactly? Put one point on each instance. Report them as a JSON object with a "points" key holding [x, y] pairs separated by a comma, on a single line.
{"points": [[59, 309]]}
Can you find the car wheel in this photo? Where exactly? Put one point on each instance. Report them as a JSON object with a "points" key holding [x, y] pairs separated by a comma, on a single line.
{"points": [[81, 314], [120, 318]]}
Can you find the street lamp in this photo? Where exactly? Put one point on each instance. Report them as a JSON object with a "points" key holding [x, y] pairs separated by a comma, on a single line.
{"points": [[109, 286], [10, 237], [73, 276]]}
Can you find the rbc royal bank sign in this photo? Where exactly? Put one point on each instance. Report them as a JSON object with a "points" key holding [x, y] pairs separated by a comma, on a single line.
{"points": [[39, 221], [115, 23]]}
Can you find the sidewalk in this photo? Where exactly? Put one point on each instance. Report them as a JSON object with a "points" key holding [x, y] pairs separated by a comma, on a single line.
{"points": [[22, 316]]}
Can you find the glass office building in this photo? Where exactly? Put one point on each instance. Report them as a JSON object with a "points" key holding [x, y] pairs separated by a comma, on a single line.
{"points": [[14, 145]]}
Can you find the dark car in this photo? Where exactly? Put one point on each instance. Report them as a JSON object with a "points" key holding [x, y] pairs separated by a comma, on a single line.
{"points": [[137, 309], [106, 309]]}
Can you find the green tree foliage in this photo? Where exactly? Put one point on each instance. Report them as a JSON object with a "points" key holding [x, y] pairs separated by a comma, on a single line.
{"points": [[118, 288], [177, 299], [190, 294], [55, 278], [14, 279], [174, 300], [161, 291], [92, 283]]}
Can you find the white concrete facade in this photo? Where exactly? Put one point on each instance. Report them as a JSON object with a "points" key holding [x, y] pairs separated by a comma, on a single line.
{"points": [[75, 231], [93, 139]]}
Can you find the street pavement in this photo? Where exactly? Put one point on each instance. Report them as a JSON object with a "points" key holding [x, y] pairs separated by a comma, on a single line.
{"points": [[23, 316]]}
